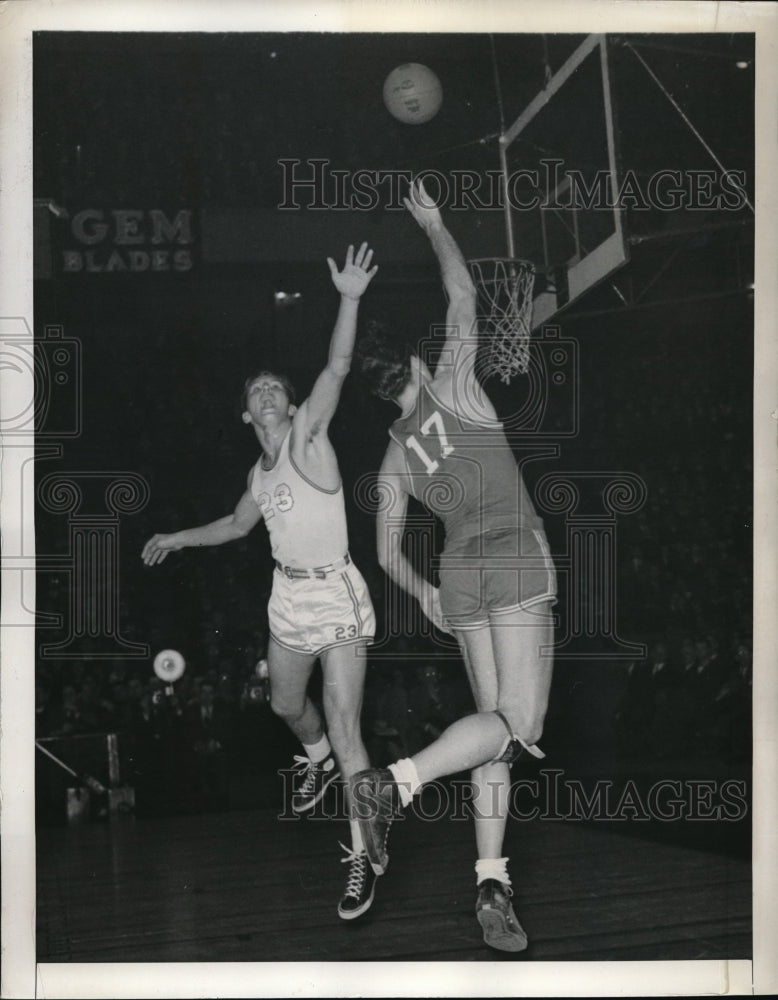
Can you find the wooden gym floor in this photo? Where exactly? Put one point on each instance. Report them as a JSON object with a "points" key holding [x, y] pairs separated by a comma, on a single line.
{"points": [[244, 886]]}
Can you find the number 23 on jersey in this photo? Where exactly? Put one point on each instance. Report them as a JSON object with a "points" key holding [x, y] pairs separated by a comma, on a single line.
{"points": [[281, 500]]}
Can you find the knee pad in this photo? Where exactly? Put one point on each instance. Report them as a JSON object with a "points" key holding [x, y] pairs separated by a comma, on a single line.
{"points": [[514, 746]]}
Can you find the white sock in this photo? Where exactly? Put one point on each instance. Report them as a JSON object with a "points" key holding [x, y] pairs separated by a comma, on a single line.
{"points": [[316, 752], [407, 778], [496, 868], [357, 844]]}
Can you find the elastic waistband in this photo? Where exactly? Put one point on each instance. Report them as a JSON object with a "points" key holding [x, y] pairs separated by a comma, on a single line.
{"points": [[316, 572]]}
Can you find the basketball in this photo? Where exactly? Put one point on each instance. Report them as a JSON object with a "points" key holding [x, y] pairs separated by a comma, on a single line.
{"points": [[413, 93]]}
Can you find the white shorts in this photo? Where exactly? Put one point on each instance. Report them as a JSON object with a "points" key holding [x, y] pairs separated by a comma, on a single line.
{"points": [[311, 615]]}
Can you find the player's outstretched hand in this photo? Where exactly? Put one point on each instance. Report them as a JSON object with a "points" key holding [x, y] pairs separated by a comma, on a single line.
{"points": [[356, 274], [157, 548], [422, 207]]}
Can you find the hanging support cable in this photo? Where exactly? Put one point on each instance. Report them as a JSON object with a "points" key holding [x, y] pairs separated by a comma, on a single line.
{"points": [[683, 115]]}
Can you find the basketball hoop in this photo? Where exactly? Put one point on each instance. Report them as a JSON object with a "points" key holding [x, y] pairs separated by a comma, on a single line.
{"points": [[504, 287]]}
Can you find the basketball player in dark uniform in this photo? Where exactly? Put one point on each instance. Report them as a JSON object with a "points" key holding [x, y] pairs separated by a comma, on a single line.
{"points": [[319, 606], [497, 580]]}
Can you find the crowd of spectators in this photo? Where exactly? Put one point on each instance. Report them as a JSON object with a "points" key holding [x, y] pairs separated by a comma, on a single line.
{"points": [[690, 701], [180, 743], [684, 579], [183, 745]]}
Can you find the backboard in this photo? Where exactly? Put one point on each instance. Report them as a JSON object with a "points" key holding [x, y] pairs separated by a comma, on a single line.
{"points": [[561, 179]]}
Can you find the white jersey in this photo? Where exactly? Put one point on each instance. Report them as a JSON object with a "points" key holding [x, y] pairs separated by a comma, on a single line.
{"points": [[306, 523]]}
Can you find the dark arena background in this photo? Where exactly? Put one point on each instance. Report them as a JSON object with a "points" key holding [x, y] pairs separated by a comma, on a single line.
{"points": [[187, 190]]}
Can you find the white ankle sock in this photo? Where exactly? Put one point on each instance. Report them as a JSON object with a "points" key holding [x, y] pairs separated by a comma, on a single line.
{"points": [[496, 868], [357, 844], [316, 752], [407, 778]]}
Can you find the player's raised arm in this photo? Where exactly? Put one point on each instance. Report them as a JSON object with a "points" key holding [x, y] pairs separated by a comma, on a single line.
{"points": [[462, 332], [351, 282], [226, 529]]}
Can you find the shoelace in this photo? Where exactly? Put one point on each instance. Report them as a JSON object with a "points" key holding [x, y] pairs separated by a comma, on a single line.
{"points": [[307, 767], [356, 876]]}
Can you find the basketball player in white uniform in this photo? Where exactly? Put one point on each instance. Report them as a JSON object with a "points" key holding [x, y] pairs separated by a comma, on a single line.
{"points": [[319, 607]]}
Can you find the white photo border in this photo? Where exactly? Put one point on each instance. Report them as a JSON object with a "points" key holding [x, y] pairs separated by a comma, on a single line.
{"points": [[20, 975]]}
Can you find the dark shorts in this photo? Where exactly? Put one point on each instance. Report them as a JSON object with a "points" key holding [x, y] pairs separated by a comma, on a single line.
{"points": [[495, 573]]}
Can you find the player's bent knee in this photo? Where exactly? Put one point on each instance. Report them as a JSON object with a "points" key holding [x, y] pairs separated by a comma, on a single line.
{"points": [[527, 725]]}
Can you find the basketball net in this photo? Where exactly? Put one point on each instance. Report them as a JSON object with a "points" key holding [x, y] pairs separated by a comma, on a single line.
{"points": [[504, 287]]}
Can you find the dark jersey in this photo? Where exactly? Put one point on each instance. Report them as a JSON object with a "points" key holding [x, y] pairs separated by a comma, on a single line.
{"points": [[463, 471]]}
